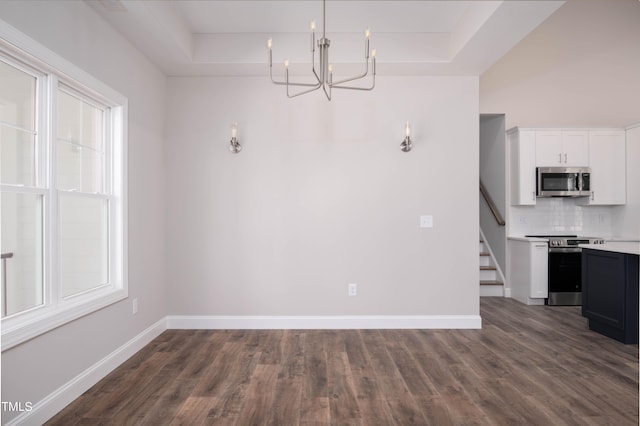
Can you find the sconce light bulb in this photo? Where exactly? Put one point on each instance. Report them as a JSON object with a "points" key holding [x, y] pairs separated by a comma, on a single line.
{"points": [[407, 130], [330, 68], [373, 53], [286, 63], [269, 43], [367, 33], [234, 130], [312, 25]]}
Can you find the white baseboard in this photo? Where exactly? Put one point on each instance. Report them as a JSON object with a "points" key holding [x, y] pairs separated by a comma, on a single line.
{"points": [[53, 403], [325, 322]]}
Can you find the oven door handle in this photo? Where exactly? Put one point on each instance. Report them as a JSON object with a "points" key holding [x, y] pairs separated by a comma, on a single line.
{"points": [[565, 250]]}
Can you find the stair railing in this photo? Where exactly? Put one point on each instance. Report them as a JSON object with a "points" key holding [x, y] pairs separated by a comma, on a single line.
{"points": [[492, 205]]}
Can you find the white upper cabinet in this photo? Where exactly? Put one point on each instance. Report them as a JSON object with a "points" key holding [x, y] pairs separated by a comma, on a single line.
{"points": [[607, 151], [522, 146], [562, 148]]}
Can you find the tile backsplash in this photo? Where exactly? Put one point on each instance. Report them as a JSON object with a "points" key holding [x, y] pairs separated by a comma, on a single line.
{"points": [[561, 216]]}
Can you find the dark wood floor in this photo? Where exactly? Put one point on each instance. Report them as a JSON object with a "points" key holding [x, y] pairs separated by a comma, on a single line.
{"points": [[528, 365]]}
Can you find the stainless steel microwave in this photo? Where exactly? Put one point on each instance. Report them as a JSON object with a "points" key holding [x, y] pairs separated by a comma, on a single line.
{"points": [[563, 181]]}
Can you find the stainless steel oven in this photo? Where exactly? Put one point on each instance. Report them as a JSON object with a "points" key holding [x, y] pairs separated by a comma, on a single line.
{"points": [[565, 276], [565, 268]]}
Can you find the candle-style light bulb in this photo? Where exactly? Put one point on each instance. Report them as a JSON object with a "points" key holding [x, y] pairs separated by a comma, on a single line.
{"points": [[234, 130], [286, 63], [312, 26], [373, 53], [269, 43], [330, 68], [407, 130], [367, 33]]}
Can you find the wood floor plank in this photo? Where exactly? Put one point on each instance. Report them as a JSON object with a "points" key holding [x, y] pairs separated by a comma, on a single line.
{"points": [[315, 412], [194, 411], [287, 400], [343, 403], [528, 365], [168, 404], [315, 380], [257, 404], [292, 366]]}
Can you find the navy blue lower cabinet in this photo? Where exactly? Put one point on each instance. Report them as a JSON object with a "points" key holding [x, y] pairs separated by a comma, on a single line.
{"points": [[610, 293]]}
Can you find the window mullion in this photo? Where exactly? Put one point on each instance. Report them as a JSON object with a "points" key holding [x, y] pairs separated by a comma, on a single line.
{"points": [[53, 281]]}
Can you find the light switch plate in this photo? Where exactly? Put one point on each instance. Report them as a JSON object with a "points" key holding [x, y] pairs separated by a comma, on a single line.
{"points": [[426, 221]]}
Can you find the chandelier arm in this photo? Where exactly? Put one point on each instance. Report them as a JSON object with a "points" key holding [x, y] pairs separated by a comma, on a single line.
{"points": [[303, 92], [373, 84], [284, 83], [287, 84], [327, 94], [313, 67], [346, 80]]}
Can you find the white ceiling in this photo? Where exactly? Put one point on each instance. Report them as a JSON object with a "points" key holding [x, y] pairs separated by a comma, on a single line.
{"points": [[419, 37]]}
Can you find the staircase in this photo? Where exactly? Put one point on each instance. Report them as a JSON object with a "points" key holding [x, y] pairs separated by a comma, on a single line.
{"points": [[490, 284]]}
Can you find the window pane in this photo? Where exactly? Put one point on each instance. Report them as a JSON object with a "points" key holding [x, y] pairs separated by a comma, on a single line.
{"points": [[17, 156], [22, 250], [17, 97], [79, 168], [80, 145], [83, 243], [79, 122]]}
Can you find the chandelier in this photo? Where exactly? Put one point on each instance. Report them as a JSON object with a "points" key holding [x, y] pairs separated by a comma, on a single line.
{"points": [[323, 75]]}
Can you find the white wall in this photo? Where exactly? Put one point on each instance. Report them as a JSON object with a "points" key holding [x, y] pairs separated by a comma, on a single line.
{"points": [[579, 68], [626, 219], [321, 196], [38, 367], [492, 174]]}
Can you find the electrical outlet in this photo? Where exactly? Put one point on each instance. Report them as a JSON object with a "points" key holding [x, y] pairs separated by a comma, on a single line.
{"points": [[353, 289], [426, 221], [135, 305]]}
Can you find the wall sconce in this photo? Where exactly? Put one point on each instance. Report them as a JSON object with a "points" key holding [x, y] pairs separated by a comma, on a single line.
{"points": [[234, 145], [406, 145]]}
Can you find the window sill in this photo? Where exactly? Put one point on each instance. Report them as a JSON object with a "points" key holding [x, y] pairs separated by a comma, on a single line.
{"points": [[24, 327]]}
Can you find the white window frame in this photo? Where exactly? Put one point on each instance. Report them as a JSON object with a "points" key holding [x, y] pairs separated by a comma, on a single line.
{"points": [[53, 72]]}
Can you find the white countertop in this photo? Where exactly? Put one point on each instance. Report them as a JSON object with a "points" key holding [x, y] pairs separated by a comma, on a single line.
{"points": [[618, 247], [528, 239]]}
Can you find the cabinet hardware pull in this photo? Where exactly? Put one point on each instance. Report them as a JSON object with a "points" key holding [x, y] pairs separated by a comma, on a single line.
{"points": [[560, 158], [565, 158], [592, 195]]}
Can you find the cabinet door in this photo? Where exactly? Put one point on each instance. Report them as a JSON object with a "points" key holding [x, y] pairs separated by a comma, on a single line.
{"points": [[608, 171], [575, 148], [603, 287], [539, 254], [523, 168], [567, 148], [549, 148]]}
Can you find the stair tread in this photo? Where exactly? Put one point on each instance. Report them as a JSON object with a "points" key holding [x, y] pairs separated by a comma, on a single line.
{"points": [[487, 268], [491, 282], [484, 253]]}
